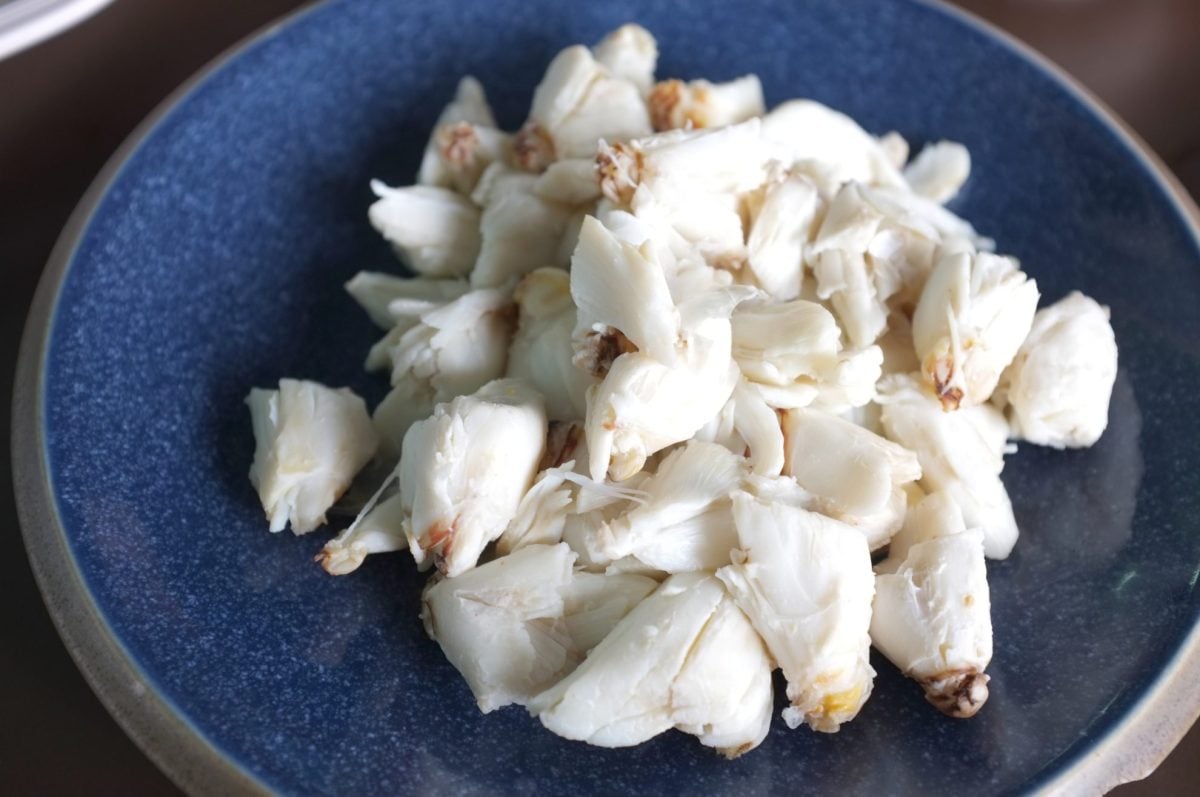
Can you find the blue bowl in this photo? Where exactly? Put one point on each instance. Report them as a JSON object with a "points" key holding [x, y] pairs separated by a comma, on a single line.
{"points": [[210, 258]]}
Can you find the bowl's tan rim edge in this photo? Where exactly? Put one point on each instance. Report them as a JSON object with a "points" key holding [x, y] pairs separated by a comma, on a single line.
{"points": [[1130, 751], [178, 748], [1170, 705]]}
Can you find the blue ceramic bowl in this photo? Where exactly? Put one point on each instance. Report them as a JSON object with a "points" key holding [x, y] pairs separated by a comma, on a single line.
{"points": [[210, 258]]}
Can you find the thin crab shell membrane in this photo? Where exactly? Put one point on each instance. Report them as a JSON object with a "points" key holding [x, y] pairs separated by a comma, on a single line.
{"points": [[667, 368]]}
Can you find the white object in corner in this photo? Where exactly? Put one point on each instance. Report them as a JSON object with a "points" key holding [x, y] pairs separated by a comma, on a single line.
{"points": [[24, 23]]}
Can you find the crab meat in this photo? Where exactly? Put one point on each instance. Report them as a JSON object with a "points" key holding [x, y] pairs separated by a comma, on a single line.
{"points": [[375, 292], [782, 227], [974, 313], [542, 513], [569, 182], [807, 131], [435, 231], [467, 150], [519, 230], [805, 582], [680, 164], [683, 523], [643, 406], [703, 230], [851, 382], [630, 53], [939, 171], [723, 693], [843, 274], [757, 424], [780, 344], [928, 516], [470, 108], [1059, 385], [932, 619], [380, 530], [698, 103], [957, 453], [661, 667], [594, 603], [541, 351], [464, 470], [455, 349], [310, 440], [854, 474], [500, 624], [605, 271], [578, 102]]}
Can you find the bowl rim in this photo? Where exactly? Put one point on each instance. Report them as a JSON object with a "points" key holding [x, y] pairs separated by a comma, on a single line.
{"points": [[1130, 750]]}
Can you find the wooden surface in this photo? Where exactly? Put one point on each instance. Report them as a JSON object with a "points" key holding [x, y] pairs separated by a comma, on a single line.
{"points": [[68, 103]]}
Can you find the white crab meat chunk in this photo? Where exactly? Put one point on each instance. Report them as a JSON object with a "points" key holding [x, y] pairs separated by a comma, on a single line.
{"points": [[630, 53], [569, 182], [620, 695], [605, 272], [683, 523], [625, 691], [791, 353], [932, 619], [939, 171], [974, 313], [379, 530], [375, 292], [559, 493], [516, 625], [519, 230], [780, 344], [500, 624], [435, 231], [928, 516], [782, 490], [807, 131], [675, 104], [958, 455], [856, 475], [470, 109], [899, 356], [723, 694], [467, 150], [578, 102], [593, 603], [453, 350], [805, 581], [757, 426], [1060, 383], [542, 513], [851, 383], [844, 276], [900, 261], [918, 214], [895, 147], [541, 352], [705, 228], [310, 440], [643, 406], [782, 227], [679, 165], [720, 428], [464, 470]]}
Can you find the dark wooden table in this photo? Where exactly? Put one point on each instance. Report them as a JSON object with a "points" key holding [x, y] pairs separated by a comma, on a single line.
{"points": [[67, 104]]}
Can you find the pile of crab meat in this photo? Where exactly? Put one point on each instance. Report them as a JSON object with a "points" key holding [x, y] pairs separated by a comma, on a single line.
{"points": [[685, 391]]}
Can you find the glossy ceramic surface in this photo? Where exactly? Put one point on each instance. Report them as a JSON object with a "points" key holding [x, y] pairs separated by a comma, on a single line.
{"points": [[213, 260]]}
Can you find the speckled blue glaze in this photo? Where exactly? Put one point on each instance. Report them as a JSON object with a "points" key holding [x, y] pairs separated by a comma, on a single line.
{"points": [[215, 262]]}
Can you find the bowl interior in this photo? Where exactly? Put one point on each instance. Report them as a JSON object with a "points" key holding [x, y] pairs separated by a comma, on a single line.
{"points": [[215, 261]]}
